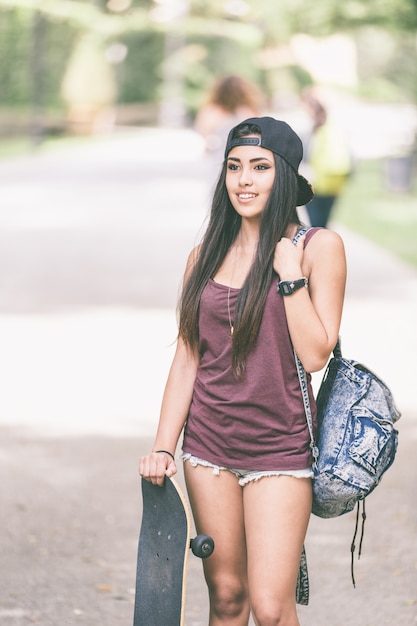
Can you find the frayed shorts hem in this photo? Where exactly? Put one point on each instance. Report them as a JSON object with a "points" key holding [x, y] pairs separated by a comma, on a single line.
{"points": [[247, 476]]}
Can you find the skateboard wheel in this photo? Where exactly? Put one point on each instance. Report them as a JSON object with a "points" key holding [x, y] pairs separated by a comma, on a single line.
{"points": [[202, 546]]}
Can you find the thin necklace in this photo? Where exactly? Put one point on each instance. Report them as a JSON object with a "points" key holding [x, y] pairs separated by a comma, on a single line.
{"points": [[232, 328], [228, 311]]}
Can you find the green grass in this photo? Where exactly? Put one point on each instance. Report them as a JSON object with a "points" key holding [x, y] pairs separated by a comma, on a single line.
{"points": [[14, 147], [371, 209]]}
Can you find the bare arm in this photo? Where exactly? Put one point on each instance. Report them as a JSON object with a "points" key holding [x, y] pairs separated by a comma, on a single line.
{"points": [[174, 409], [314, 315]]}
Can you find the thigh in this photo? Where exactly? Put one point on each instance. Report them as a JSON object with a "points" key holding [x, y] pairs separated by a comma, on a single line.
{"points": [[277, 511], [217, 505]]}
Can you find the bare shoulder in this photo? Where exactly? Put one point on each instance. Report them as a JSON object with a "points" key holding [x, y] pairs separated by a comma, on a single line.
{"points": [[325, 241], [191, 261], [193, 257], [325, 256]]}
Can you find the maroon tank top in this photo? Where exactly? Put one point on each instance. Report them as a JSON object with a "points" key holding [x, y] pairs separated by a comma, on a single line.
{"points": [[257, 423]]}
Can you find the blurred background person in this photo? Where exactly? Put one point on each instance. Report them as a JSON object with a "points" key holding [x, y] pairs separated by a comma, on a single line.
{"points": [[231, 100], [327, 160]]}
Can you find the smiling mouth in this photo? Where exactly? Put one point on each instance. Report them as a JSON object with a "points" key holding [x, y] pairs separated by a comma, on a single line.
{"points": [[246, 196]]}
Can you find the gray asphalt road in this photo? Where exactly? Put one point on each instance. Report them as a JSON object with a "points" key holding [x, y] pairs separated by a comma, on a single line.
{"points": [[109, 224], [92, 247]]}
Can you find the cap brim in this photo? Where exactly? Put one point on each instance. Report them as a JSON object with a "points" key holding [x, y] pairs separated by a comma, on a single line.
{"points": [[305, 191]]}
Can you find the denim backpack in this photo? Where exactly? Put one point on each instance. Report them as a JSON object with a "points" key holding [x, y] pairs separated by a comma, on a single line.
{"points": [[356, 439]]}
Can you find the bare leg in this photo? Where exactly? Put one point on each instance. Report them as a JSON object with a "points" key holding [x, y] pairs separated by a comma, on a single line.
{"points": [[277, 510], [216, 501]]}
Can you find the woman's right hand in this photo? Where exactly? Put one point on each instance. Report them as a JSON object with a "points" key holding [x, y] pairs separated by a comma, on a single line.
{"points": [[155, 466]]}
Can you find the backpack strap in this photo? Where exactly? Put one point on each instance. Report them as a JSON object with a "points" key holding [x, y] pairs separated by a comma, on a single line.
{"points": [[302, 377], [300, 232], [352, 545]]}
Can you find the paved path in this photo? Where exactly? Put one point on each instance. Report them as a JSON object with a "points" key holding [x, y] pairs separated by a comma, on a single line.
{"points": [[93, 243]]}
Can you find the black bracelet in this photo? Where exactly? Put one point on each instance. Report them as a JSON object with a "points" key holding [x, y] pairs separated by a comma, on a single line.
{"points": [[166, 452]]}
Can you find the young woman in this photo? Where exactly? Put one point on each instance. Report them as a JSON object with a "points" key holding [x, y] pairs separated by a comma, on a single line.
{"points": [[250, 298]]}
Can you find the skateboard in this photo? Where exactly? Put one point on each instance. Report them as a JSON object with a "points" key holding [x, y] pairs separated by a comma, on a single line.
{"points": [[164, 541]]}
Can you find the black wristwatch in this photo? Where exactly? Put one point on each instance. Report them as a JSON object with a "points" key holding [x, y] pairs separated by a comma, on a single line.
{"points": [[287, 287]]}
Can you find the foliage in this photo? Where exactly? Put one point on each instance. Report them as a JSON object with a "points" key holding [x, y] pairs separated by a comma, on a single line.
{"points": [[14, 53], [138, 78], [220, 36], [327, 16], [387, 65], [17, 58]]}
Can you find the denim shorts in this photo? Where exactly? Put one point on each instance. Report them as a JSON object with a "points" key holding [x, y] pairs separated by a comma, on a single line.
{"points": [[247, 476]]}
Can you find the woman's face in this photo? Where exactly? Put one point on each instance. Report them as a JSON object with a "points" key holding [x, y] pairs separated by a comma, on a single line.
{"points": [[250, 176]]}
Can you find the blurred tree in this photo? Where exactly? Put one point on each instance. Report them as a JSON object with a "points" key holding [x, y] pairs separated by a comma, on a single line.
{"points": [[219, 36], [37, 75], [281, 19], [140, 79], [31, 44], [14, 52], [89, 86], [384, 32]]}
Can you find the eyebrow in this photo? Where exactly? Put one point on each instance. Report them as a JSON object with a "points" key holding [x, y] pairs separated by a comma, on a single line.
{"points": [[251, 160]]}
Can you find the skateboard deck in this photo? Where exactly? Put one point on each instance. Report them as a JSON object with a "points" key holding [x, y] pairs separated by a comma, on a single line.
{"points": [[164, 542]]}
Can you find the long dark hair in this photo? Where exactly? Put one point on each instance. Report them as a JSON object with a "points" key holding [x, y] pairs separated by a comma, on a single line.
{"points": [[223, 227]]}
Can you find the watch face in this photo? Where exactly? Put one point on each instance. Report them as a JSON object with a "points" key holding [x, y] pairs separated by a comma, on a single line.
{"points": [[287, 288]]}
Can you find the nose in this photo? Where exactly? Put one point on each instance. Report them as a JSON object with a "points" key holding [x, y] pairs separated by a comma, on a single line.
{"points": [[245, 178]]}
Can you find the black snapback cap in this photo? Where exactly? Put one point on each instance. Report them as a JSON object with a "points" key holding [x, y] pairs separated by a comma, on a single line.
{"points": [[280, 138]]}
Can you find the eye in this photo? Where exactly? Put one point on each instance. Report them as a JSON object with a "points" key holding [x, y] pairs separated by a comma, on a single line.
{"points": [[232, 166], [262, 166]]}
